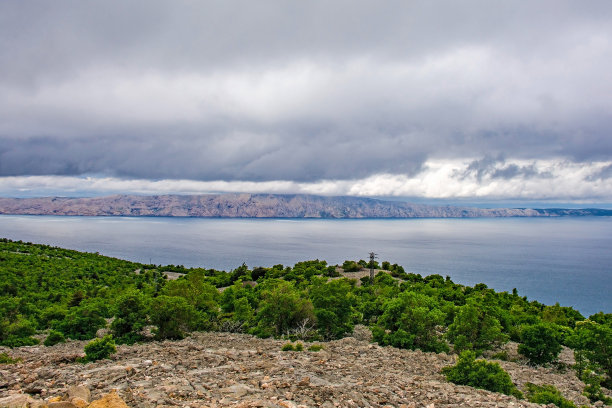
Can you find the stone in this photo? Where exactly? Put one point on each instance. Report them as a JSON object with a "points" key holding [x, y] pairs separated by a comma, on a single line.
{"points": [[62, 404], [111, 400], [79, 391], [20, 401]]}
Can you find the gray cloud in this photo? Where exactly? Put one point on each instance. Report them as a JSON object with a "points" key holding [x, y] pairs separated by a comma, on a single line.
{"points": [[497, 168], [303, 91]]}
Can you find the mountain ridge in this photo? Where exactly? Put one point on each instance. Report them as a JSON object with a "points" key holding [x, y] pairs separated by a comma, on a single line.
{"points": [[245, 205]]}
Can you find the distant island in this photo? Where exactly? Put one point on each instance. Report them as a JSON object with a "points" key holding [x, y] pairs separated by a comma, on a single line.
{"points": [[264, 206]]}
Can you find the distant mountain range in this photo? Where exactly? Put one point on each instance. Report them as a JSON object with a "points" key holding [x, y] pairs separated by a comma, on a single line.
{"points": [[263, 206]]}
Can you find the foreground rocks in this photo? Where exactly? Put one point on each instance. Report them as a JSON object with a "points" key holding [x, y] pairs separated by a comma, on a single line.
{"points": [[222, 370]]}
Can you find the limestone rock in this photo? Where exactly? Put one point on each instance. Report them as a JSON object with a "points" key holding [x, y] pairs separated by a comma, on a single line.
{"points": [[20, 401], [111, 400]]}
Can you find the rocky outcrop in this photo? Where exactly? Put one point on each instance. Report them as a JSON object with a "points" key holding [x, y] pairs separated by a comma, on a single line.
{"points": [[223, 370], [261, 206]]}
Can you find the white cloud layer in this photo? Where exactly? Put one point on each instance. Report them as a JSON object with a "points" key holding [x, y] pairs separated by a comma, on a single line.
{"points": [[457, 179]]}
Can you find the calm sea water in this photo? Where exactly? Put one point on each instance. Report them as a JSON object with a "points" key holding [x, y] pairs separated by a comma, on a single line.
{"points": [[565, 260]]}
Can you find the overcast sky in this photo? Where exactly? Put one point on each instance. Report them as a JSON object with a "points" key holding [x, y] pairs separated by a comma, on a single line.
{"points": [[430, 99]]}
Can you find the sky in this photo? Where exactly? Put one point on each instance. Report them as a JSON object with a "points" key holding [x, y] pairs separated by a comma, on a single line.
{"points": [[434, 100]]}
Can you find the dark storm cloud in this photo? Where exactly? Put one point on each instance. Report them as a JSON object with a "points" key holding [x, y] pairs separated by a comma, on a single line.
{"points": [[497, 168], [300, 91]]}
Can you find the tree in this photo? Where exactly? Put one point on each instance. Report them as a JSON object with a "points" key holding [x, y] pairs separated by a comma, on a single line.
{"points": [[100, 348], [333, 307], [474, 329], [81, 323], [480, 374], [412, 320], [130, 318], [592, 344], [173, 316], [540, 344], [282, 308]]}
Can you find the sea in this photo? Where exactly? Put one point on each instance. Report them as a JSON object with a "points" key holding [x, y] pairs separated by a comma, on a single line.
{"points": [[566, 260]]}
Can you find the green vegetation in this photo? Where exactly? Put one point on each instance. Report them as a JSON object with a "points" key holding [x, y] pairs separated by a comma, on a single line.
{"points": [[540, 344], [6, 359], [292, 347], [99, 349], [480, 374], [54, 337], [547, 394], [71, 295]]}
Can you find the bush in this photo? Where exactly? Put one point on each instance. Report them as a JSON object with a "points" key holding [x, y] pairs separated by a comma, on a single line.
{"points": [[81, 323], [474, 329], [130, 318], [315, 348], [593, 390], [410, 321], [287, 347], [173, 317], [100, 348], [480, 374], [591, 343], [351, 266], [540, 344], [6, 359], [290, 347], [54, 338], [547, 394]]}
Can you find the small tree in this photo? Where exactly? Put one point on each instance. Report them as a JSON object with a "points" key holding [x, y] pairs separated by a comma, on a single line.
{"points": [[130, 318], [480, 374], [547, 394], [474, 329], [173, 316], [540, 344], [100, 348], [53, 338]]}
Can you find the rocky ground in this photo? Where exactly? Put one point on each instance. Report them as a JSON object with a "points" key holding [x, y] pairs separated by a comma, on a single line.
{"points": [[223, 369]]}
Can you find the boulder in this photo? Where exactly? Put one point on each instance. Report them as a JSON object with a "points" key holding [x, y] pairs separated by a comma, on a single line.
{"points": [[20, 401], [110, 400]]}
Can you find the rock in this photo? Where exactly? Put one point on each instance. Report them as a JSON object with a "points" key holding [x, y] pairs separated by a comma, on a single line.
{"points": [[20, 401], [79, 392], [111, 400], [237, 390], [62, 404]]}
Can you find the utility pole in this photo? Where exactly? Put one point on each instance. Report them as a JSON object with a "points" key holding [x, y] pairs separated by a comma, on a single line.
{"points": [[372, 257]]}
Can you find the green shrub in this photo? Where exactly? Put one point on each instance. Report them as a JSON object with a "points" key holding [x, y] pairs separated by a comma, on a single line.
{"points": [[502, 355], [100, 348], [593, 390], [54, 338], [540, 344], [480, 374], [81, 323], [298, 347], [315, 347], [411, 321], [173, 316], [130, 318], [591, 343], [475, 329], [288, 347], [351, 266], [547, 394], [6, 359]]}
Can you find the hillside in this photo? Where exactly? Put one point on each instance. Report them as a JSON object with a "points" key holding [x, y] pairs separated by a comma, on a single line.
{"points": [[237, 370], [214, 338], [263, 206]]}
